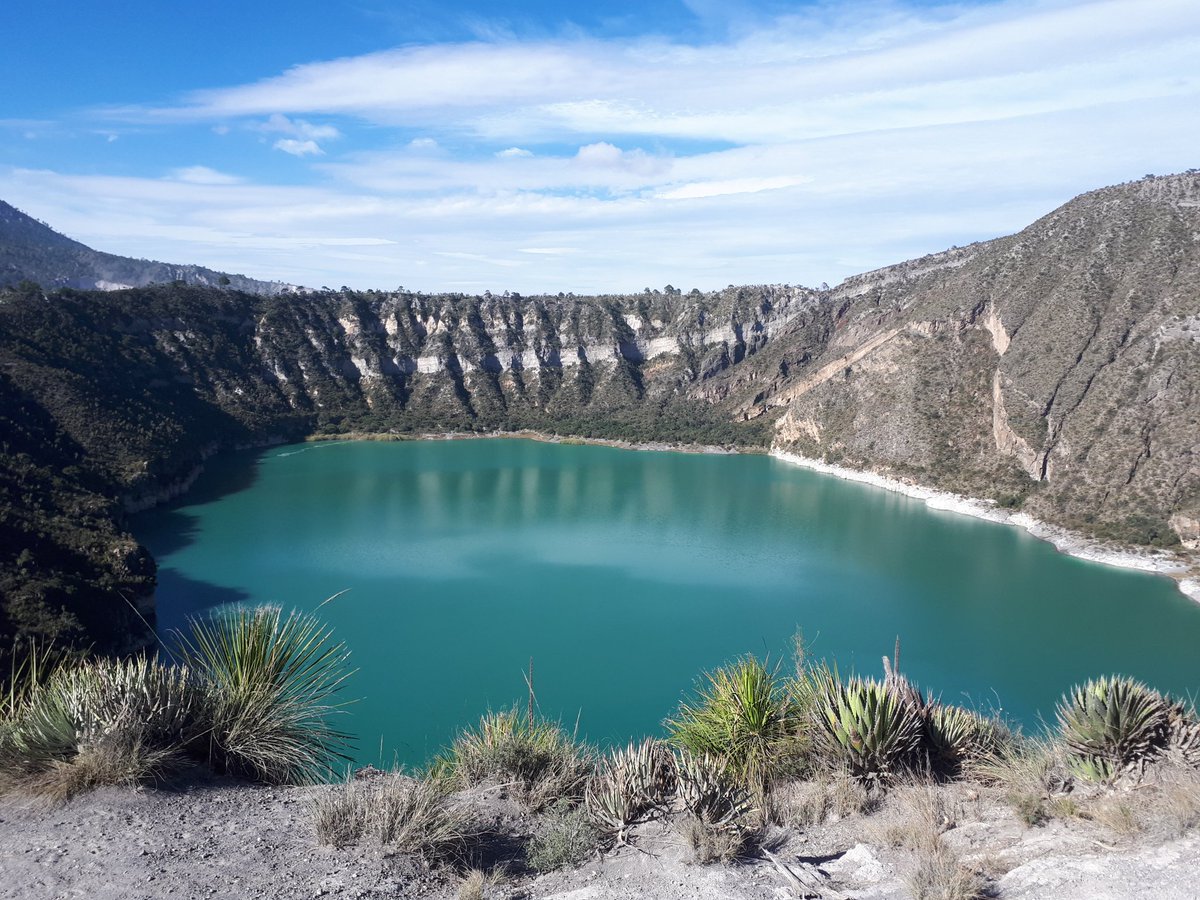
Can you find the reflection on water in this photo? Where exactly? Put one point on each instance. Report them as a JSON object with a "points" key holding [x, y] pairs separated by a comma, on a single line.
{"points": [[624, 574]]}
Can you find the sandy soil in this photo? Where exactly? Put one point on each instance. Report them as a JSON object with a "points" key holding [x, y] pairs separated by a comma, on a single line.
{"points": [[216, 839]]}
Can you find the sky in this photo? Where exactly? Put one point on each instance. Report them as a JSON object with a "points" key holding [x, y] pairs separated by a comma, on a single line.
{"points": [[539, 147]]}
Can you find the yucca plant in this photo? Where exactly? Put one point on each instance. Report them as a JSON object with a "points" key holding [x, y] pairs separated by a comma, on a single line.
{"points": [[864, 725], [746, 714], [273, 680], [631, 784], [954, 737], [1112, 726]]}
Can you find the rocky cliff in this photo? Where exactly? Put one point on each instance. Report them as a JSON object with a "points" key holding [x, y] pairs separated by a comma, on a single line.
{"points": [[1056, 370]]}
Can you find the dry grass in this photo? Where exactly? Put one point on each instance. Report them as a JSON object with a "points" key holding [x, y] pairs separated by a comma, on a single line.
{"points": [[826, 798], [941, 875], [926, 812], [109, 762], [1031, 775], [1177, 809], [1116, 814], [410, 815], [477, 884], [714, 843]]}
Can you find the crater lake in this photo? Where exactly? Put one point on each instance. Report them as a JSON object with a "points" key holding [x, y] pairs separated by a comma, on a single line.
{"points": [[625, 574]]}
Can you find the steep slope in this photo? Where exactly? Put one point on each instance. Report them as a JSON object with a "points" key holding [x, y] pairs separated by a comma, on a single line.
{"points": [[33, 251], [1059, 367], [1056, 370]]}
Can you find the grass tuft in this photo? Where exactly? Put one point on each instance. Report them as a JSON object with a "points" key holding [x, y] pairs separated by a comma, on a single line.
{"points": [[538, 759], [567, 838], [410, 815]]}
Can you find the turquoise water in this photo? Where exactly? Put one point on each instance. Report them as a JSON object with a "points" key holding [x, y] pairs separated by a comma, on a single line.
{"points": [[624, 574]]}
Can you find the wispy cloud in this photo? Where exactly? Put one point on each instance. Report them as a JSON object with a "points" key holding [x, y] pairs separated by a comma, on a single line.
{"points": [[803, 148], [298, 147]]}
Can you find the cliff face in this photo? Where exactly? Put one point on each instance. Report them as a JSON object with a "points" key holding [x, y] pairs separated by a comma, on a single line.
{"points": [[1057, 369]]}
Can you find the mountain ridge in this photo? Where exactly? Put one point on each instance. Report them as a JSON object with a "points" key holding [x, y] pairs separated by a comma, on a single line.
{"points": [[30, 250]]}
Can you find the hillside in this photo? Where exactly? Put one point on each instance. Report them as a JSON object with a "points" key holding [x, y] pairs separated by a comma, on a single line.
{"points": [[1056, 371], [33, 251]]}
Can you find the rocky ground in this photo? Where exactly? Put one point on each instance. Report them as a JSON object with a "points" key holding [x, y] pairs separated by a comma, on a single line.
{"points": [[215, 839]]}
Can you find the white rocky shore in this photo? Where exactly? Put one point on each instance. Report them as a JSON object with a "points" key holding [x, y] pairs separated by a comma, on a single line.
{"points": [[1160, 562]]}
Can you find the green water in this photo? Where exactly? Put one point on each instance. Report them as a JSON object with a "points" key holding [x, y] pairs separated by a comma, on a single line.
{"points": [[624, 574]]}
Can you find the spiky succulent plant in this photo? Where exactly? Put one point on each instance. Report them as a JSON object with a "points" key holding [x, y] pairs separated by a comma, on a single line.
{"points": [[1112, 726], [865, 726], [711, 792], [954, 736], [630, 785]]}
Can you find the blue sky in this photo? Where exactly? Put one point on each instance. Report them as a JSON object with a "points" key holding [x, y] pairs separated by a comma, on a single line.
{"points": [[537, 147]]}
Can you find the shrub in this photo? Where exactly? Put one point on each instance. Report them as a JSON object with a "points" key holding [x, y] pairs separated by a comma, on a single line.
{"points": [[566, 838], [102, 722], [543, 762], [273, 679], [864, 726], [747, 715], [1112, 726]]}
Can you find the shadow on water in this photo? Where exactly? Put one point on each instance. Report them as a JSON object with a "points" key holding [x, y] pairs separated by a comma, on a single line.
{"points": [[190, 599], [170, 527]]}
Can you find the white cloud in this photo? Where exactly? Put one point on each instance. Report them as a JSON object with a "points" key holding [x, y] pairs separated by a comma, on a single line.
{"points": [[203, 175], [298, 147], [839, 138], [281, 124]]}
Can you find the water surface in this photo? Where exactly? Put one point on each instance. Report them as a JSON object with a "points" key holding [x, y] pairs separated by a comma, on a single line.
{"points": [[624, 574]]}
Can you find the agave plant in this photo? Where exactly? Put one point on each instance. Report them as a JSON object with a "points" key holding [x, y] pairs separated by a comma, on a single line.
{"points": [[631, 784], [955, 737], [710, 792], [1183, 738], [746, 714], [273, 679], [1112, 726], [864, 725]]}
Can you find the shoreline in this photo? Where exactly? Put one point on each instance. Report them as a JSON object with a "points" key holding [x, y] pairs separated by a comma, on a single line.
{"points": [[543, 438], [1156, 562]]}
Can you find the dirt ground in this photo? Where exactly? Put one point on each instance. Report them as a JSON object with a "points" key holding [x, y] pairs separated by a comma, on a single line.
{"points": [[215, 839]]}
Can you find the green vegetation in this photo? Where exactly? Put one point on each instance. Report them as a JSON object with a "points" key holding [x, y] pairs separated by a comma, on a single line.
{"points": [[271, 681], [631, 785], [253, 698], [743, 713], [1111, 726], [865, 725], [538, 759]]}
